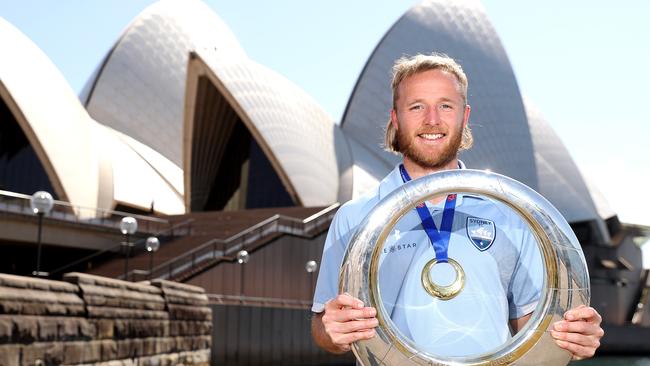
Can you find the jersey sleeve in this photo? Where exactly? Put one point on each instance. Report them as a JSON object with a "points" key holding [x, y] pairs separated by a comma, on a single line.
{"points": [[333, 252], [526, 283]]}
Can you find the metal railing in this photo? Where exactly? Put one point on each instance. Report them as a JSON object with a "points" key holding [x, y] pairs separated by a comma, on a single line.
{"points": [[226, 249], [183, 228], [18, 203]]}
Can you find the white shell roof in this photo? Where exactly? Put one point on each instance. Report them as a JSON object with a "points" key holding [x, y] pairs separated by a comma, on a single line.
{"points": [[506, 139], [140, 87], [49, 113], [602, 205], [301, 137], [461, 29], [560, 180], [89, 165]]}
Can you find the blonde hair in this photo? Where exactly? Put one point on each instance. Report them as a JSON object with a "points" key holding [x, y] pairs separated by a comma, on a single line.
{"points": [[408, 66]]}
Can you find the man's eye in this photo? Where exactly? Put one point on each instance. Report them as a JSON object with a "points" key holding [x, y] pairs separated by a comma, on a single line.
{"points": [[416, 107], [446, 106]]}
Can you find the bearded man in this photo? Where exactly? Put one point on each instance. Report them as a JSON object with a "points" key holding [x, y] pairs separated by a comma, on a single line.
{"points": [[428, 126]]}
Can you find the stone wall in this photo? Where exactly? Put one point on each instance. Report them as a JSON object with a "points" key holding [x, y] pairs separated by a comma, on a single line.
{"points": [[87, 319]]}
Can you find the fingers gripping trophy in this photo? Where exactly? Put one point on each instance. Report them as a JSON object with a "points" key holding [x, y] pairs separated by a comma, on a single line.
{"points": [[443, 265]]}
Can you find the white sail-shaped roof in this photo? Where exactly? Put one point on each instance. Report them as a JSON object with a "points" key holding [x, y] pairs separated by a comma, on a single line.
{"points": [[89, 165]]}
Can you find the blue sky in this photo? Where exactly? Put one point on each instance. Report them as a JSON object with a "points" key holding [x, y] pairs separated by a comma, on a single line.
{"points": [[583, 63]]}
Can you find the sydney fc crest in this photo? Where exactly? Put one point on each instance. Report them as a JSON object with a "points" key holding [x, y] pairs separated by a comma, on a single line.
{"points": [[481, 232]]}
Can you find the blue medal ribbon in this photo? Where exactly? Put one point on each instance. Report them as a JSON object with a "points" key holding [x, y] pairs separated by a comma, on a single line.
{"points": [[439, 238]]}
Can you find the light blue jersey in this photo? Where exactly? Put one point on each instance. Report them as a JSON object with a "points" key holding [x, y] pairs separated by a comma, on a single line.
{"points": [[501, 260]]}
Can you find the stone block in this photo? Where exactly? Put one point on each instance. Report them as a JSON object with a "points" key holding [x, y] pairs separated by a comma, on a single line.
{"points": [[205, 328], [174, 328], [196, 328], [87, 330], [150, 361], [48, 353], [121, 313], [81, 352], [142, 305], [73, 352], [13, 281], [149, 346], [130, 362], [109, 363], [137, 347], [105, 328], [63, 287], [184, 312], [183, 344], [201, 342], [201, 357], [10, 307], [29, 295], [171, 359], [56, 309], [6, 328], [161, 346], [34, 353], [54, 355], [96, 300], [34, 308], [9, 355], [124, 349], [75, 310], [150, 328], [163, 284], [129, 328], [137, 328], [25, 329], [164, 329], [68, 328], [165, 345], [108, 350], [121, 297], [35, 283], [121, 328], [192, 328], [175, 296], [87, 279], [47, 329]]}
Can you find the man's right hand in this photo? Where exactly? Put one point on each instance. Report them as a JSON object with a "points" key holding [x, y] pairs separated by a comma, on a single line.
{"points": [[345, 320]]}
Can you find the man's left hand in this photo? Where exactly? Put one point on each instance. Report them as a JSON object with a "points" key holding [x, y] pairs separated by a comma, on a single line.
{"points": [[579, 332]]}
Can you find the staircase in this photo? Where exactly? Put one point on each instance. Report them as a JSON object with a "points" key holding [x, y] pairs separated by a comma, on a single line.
{"points": [[214, 237]]}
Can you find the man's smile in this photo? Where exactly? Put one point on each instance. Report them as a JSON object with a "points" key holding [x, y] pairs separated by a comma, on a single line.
{"points": [[430, 138]]}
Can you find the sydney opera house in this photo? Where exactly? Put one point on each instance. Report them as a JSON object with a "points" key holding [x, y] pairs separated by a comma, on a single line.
{"points": [[215, 153]]}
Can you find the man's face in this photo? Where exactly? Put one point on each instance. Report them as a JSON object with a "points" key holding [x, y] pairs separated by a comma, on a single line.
{"points": [[429, 118]]}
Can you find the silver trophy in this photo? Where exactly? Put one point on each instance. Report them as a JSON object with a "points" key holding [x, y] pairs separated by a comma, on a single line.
{"points": [[565, 284]]}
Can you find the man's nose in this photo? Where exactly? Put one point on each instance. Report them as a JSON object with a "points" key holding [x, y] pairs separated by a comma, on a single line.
{"points": [[433, 117]]}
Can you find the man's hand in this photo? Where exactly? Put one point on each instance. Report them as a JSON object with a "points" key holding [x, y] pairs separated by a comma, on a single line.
{"points": [[345, 320], [579, 332]]}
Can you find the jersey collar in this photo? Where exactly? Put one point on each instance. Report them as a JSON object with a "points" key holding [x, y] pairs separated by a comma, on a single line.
{"points": [[394, 180]]}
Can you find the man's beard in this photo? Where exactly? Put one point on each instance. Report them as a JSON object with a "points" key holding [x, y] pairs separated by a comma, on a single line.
{"points": [[409, 149]]}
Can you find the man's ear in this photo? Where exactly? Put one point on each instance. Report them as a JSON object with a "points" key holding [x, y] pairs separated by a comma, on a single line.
{"points": [[468, 109], [393, 118]]}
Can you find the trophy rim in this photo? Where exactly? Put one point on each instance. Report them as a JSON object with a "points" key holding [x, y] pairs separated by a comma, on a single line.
{"points": [[550, 229]]}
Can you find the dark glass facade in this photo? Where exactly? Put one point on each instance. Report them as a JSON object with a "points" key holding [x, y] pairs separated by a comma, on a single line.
{"points": [[20, 169]]}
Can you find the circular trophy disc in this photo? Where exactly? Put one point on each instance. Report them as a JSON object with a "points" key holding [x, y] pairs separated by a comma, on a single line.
{"points": [[566, 282]]}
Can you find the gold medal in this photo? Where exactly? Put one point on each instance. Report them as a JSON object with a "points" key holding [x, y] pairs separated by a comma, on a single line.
{"points": [[443, 292]]}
